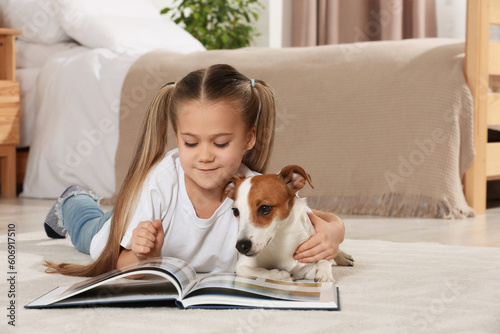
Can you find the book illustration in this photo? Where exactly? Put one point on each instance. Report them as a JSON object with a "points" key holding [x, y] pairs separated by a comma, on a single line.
{"points": [[305, 291]]}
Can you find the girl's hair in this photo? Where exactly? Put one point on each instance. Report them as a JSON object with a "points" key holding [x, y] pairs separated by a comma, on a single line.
{"points": [[216, 83]]}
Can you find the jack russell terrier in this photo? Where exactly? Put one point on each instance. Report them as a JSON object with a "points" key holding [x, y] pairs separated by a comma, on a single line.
{"points": [[273, 222]]}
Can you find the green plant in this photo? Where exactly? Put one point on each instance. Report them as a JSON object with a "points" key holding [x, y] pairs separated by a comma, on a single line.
{"points": [[218, 24]]}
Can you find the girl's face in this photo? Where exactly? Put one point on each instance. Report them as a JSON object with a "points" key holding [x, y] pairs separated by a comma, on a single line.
{"points": [[212, 139]]}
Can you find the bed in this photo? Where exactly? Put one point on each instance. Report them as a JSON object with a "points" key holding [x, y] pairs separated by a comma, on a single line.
{"points": [[370, 152]]}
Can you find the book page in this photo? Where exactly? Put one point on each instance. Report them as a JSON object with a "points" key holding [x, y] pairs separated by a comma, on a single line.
{"points": [[293, 291], [175, 270], [149, 289], [182, 271]]}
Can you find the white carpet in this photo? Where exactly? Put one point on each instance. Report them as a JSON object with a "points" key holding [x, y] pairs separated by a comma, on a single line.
{"points": [[393, 288]]}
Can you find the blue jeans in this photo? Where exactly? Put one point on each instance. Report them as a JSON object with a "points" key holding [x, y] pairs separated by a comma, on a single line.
{"points": [[82, 217]]}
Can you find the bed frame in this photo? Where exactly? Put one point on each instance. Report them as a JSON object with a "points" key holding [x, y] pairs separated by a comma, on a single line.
{"points": [[482, 61]]}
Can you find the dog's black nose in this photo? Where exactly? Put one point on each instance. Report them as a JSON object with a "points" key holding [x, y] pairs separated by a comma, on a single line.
{"points": [[243, 246]]}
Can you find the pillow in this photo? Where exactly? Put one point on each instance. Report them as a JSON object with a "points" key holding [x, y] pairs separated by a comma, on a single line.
{"points": [[122, 8], [37, 20], [34, 55], [122, 25], [127, 33]]}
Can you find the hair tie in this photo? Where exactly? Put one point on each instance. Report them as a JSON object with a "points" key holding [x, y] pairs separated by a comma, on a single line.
{"points": [[252, 82], [175, 84]]}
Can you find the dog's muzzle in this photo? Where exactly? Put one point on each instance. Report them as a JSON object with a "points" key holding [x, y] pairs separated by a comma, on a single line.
{"points": [[243, 246]]}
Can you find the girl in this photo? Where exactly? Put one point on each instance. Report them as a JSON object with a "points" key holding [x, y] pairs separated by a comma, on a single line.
{"points": [[169, 203]]}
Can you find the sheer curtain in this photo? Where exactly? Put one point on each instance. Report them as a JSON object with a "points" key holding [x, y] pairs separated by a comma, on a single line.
{"points": [[319, 22]]}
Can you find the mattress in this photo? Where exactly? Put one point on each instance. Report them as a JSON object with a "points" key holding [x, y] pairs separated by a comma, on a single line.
{"points": [[27, 82], [30, 58]]}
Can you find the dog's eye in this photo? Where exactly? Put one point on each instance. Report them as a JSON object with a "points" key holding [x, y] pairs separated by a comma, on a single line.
{"points": [[236, 212], [264, 209]]}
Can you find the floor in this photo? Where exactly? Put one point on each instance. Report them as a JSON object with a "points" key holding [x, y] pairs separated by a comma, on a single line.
{"points": [[483, 230]]}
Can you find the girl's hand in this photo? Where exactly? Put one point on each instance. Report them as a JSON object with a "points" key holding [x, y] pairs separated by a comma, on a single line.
{"points": [[324, 245], [147, 239]]}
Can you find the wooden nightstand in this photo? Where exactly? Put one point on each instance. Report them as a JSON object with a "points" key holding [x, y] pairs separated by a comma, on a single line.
{"points": [[9, 112]]}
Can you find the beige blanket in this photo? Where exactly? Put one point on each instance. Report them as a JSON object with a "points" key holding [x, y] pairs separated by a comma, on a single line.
{"points": [[382, 127]]}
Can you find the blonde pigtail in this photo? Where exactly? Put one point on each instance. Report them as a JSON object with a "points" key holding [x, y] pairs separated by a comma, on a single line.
{"points": [[258, 158]]}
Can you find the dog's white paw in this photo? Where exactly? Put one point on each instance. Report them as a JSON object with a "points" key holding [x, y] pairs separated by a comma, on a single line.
{"points": [[323, 272], [281, 275], [323, 275]]}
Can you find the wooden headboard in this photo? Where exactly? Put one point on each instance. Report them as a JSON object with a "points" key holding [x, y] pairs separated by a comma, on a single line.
{"points": [[482, 61]]}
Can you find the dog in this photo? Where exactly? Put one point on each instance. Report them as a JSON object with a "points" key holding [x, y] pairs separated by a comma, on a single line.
{"points": [[272, 223]]}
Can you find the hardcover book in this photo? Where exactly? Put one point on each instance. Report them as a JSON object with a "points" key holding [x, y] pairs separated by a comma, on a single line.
{"points": [[173, 280]]}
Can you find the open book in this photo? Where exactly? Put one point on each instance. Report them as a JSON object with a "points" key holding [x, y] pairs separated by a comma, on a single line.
{"points": [[170, 279]]}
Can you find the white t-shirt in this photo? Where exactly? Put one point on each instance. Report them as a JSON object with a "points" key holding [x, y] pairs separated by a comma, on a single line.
{"points": [[206, 244]]}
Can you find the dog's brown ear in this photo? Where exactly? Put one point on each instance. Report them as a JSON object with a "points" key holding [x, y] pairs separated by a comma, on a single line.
{"points": [[294, 177], [229, 187]]}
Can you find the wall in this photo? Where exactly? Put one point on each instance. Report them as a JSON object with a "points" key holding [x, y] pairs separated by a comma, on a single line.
{"points": [[451, 16], [160, 4]]}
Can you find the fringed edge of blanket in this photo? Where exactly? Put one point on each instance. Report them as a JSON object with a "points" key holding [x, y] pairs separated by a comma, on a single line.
{"points": [[390, 205]]}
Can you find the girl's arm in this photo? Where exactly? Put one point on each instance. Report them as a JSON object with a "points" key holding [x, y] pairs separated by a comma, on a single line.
{"points": [[330, 231], [126, 258]]}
